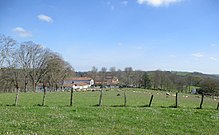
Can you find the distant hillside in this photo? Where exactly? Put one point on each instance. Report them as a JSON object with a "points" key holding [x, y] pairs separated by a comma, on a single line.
{"points": [[197, 74], [180, 73], [205, 75]]}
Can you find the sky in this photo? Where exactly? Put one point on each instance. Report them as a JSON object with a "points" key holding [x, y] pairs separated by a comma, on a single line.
{"points": [[170, 35]]}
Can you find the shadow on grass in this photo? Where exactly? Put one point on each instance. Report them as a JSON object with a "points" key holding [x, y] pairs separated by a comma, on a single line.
{"points": [[118, 106], [41, 105], [143, 106], [171, 106], [67, 105], [13, 105], [96, 105]]}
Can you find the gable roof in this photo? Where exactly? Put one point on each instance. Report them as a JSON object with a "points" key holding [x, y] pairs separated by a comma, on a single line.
{"points": [[78, 79]]}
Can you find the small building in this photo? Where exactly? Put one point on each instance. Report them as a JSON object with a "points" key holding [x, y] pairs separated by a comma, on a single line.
{"points": [[194, 91], [78, 83], [108, 80]]}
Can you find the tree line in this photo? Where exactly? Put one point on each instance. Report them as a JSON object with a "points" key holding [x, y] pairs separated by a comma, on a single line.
{"points": [[159, 80], [27, 64]]}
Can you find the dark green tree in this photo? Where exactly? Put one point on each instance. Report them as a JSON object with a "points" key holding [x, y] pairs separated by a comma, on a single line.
{"points": [[209, 86], [146, 81]]}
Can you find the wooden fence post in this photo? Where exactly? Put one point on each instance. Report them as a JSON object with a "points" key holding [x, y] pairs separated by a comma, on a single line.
{"points": [[217, 105], [71, 97], [176, 100], [124, 98], [202, 100], [100, 99], [44, 94], [17, 95], [152, 96]]}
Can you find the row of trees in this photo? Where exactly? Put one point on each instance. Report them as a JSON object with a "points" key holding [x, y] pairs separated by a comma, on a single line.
{"points": [[127, 78], [26, 65], [160, 80]]}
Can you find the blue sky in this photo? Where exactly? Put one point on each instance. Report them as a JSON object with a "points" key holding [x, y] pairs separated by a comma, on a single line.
{"points": [[174, 35]]}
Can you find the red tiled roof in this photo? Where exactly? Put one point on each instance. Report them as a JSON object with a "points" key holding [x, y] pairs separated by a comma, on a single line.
{"points": [[67, 85], [81, 84], [78, 79]]}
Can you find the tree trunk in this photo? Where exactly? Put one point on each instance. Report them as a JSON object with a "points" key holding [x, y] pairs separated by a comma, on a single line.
{"points": [[25, 84], [56, 87], [62, 88], [34, 86], [161, 86], [25, 87]]}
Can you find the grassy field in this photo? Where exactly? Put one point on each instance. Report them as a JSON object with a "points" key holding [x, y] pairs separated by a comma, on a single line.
{"points": [[112, 118]]}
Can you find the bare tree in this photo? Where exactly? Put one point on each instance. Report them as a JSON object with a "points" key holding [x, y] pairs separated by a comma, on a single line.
{"points": [[24, 58], [93, 73], [10, 64], [128, 74], [155, 79], [7, 44], [168, 84], [29, 64], [103, 75], [57, 70], [113, 70], [137, 78], [68, 71], [38, 62], [112, 74]]}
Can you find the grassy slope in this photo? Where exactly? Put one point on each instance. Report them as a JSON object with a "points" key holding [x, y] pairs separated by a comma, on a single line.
{"points": [[86, 118]]}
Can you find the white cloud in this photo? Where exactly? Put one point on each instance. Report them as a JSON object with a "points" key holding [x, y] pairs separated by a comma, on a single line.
{"points": [[198, 55], [22, 32], [45, 18], [157, 3]]}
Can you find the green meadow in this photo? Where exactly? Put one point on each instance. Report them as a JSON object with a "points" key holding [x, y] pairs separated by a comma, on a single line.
{"points": [[86, 118]]}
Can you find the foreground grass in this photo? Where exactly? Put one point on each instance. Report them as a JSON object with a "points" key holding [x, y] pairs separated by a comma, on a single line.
{"points": [[86, 118]]}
